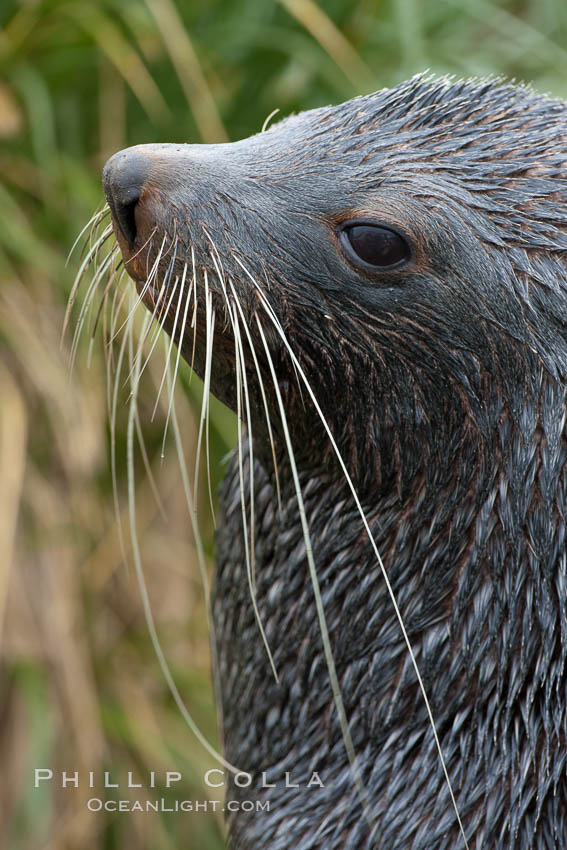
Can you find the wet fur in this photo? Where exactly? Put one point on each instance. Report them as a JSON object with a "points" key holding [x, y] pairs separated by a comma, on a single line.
{"points": [[444, 384]]}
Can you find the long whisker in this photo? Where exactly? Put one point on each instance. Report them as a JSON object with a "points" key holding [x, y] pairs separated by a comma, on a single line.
{"points": [[208, 441], [107, 352], [163, 288], [112, 327], [147, 242], [239, 352], [107, 288], [154, 315], [217, 262], [370, 536], [117, 302], [299, 387], [91, 224], [248, 546], [103, 308], [327, 649], [263, 394], [101, 271], [111, 279], [179, 346], [119, 295], [148, 467], [112, 400], [79, 276], [242, 384], [210, 329], [161, 310], [173, 243], [143, 587], [194, 317], [126, 337], [191, 507], [149, 280], [170, 345]]}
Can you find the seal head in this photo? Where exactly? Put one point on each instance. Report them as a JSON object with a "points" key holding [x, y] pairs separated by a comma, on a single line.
{"points": [[410, 248]]}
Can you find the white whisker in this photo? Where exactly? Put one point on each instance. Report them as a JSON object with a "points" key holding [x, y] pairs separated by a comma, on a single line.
{"points": [[85, 308], [79, 276], [150, 278], [179, 346], [327, 649], [126, 338], [370, 536], [170, 345], [194, 317], [264, 399], [153, 342], [143, 587], [210, 329], [268, 119], [92, 223], [248, 545]]}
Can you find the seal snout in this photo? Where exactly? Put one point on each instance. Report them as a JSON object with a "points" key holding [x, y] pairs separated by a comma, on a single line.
{"points": [[123, 179]]}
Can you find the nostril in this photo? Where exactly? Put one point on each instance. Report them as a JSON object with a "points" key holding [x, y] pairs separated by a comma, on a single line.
{"points": [[125, 213], [123, 179]]}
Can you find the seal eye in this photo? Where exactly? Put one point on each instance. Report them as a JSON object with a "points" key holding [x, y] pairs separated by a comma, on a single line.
{"points": [[375, 245]]}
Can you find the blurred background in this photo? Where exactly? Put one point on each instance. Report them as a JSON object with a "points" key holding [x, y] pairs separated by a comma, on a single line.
{"points": [[80, 686]]}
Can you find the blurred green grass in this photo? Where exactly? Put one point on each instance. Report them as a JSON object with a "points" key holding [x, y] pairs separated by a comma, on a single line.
{"points": [[80, 687]]}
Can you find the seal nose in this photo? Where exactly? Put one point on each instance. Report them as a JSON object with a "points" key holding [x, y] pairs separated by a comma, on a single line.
{"points": [[123, 179]]}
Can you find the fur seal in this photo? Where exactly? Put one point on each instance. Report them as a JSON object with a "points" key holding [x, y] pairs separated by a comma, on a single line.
{"points": [[380, 290]]}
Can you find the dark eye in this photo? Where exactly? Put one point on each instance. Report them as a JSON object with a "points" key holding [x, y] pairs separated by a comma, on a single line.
{"points": [[375, 245]]}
